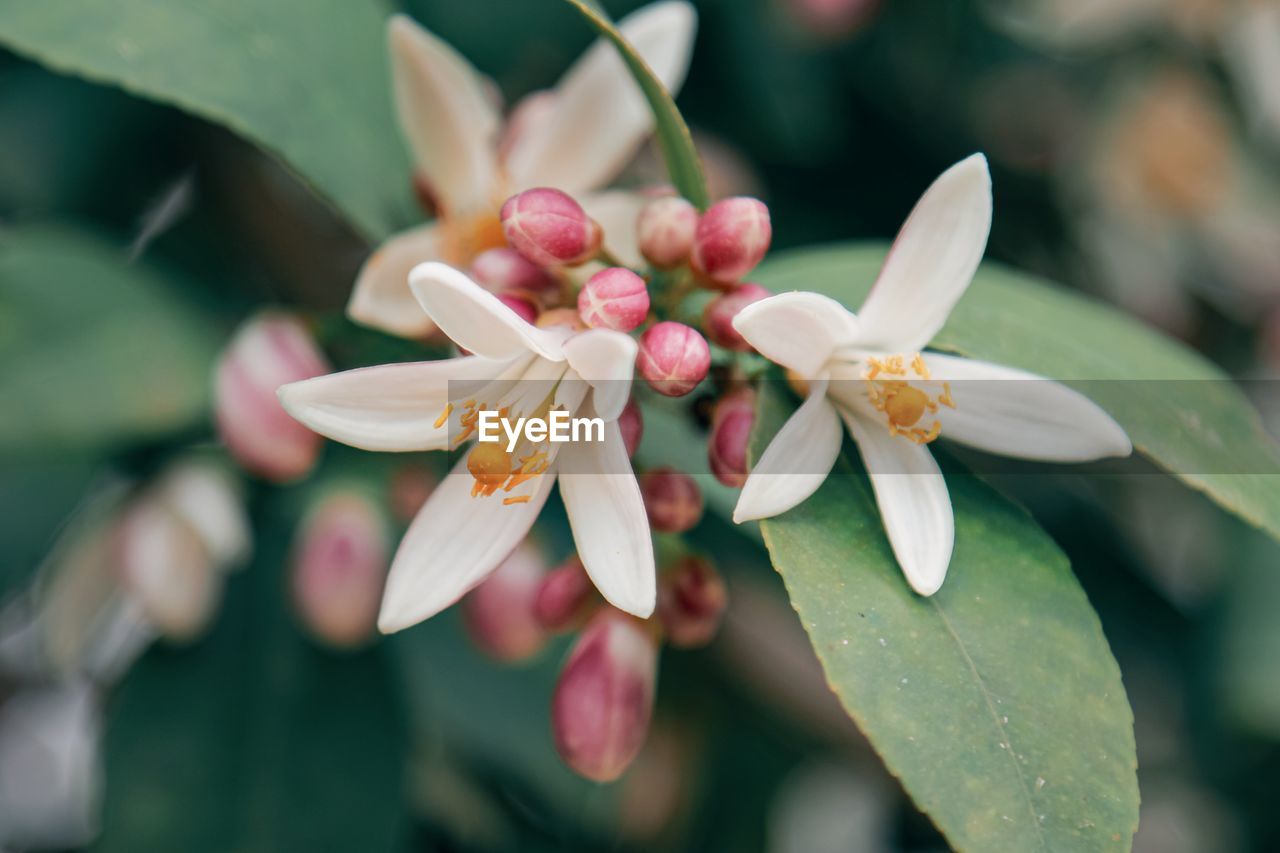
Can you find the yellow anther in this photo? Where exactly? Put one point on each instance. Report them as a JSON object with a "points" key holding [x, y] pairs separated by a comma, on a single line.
{"points": [[901, 401], [921, 369], [518, 499], [444, 416]]}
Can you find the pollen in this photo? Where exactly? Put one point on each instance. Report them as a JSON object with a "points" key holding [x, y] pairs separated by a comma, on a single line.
{"points": [[894, 387]]}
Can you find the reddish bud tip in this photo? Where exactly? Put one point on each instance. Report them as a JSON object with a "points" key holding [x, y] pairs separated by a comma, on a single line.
{"points": [[691, 601], [717, 317], [506, 269], [673, 358], [564, 596], [604, 699], [549, 228], [268, 351], [518, 303], [614, 298], [339, 568], [631, 425], [500, 613], [733, 236], [666, 227], [731, 424], [672, 499]]}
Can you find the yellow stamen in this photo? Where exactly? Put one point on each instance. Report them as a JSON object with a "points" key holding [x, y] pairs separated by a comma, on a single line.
{"points": [[444, 416], [518, 499], [902, 402]]}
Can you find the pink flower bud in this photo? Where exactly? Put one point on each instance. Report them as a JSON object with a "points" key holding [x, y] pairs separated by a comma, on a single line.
{"points": [[340, 564], [500, 613], [411, 485], [673, 358], [522, 306], [550, 228], [717, 317], [506, 269], [672, 499], [691, 602], [733, 236], [666, 227], [631, 425], [614, 298], [268, 351], [564, 596], [731, 424], [604, 700]]}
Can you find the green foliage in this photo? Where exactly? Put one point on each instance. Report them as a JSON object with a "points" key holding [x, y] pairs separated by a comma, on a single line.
{"points": [[94, 352], [997, 701]]}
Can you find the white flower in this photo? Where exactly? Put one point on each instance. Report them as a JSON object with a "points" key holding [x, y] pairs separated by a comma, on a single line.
{"points": [[575, 137], [868, 371], [487, 504]]}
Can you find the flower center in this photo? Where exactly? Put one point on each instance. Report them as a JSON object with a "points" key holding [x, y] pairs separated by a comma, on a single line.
{"points": [[464, 237], [894, 387], [488, 462]]}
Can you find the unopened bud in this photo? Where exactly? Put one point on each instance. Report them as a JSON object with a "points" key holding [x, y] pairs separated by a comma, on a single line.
{"points": [[673, 358], [614, 298], [731, 425], [672, 499], [733, 236], [564, 596], [206, 496], [268, 351], [717, 317], [500, 613], [666, 227], [339, 568], [631, 425], [691, 601], [524, 308], [506, 269], [549, 228], [604, 699]]}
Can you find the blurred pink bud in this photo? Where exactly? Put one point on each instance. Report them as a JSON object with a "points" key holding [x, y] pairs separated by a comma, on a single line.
{"points": [[631, 425], [268, 351], [717, 317], [340, 564], [563, 596], [832, 18], [604, 700], [500, 613], [666, 227], [673, 358], [733, 236], [672, 499], [691, 601], [506, 269], [549, 228], [205, 495], [411, 485], [614, 298], [163, 564], [522, 306], [731, 424]]}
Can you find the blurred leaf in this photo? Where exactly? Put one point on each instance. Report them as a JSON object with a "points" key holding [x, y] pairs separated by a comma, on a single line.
{"points": [[308, 81], [996, 701], [1249, 662], [93, 351], [672, 132], [254, 740], [1179, 410]]}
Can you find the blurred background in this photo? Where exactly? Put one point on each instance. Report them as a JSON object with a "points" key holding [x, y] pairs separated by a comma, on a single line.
{"points": [[1135, 148]]}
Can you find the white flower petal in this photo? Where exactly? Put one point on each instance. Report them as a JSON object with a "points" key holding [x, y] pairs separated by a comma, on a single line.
{"points": [[610, 526], [382, 298], [606, 360], [600, 116], [932, 261], [446, 115], [796, 462], [390, 407], [914, 504], [453, 544], [797, 330], [1014, 413], [617, 212], [475, 319]]}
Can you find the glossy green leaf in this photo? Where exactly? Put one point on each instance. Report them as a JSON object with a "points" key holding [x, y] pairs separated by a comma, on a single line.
{"points": [[1179, 410], [673, 134], [305, 79], [93, 351], [997, 701]]}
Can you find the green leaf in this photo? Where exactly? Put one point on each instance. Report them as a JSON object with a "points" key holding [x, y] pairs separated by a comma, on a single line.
{"points": [[672, 132], [93, 351], [305, 79], [997, 701], [1179, 410]]}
